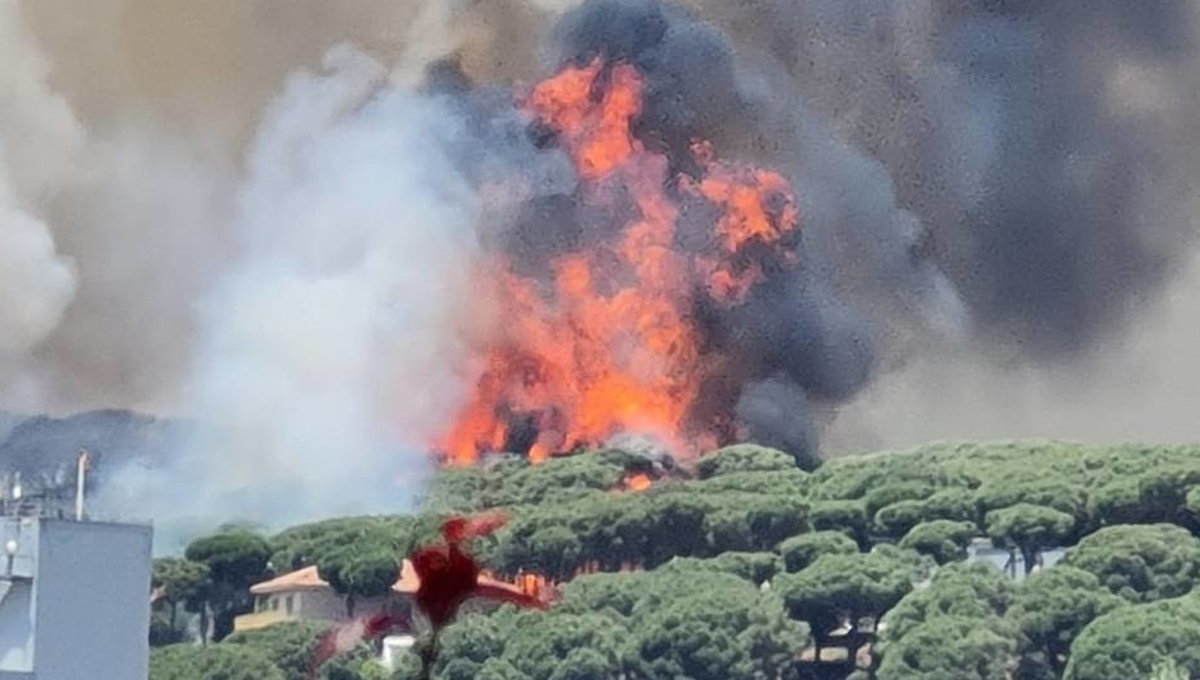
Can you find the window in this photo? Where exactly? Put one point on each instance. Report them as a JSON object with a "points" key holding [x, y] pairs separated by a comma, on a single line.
{"points": [[289, 604], [274, 604]]}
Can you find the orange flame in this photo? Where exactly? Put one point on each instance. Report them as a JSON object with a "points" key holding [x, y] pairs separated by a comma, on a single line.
{"points": [[638, 482], [606, 348]]}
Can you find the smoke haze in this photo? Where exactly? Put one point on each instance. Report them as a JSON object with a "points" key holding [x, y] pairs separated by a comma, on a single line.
{"points": [[251, 214]]}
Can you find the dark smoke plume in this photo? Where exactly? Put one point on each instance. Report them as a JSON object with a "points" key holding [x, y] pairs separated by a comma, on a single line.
{"points": [[1001, 190], [796, 340], [1007, 186], [1047, 183]]}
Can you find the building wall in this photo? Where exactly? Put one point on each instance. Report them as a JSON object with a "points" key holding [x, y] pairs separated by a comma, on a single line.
{"points": [[16, 607], [321, 605], [16, 628], [91, 601]]}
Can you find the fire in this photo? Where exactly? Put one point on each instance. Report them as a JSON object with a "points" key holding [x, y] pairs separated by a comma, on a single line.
{"points": [[638, 482], [605, 343]]}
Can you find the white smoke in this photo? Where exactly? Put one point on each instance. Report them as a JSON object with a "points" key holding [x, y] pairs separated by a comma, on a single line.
{"points": [[327, 354], [39, 138]]}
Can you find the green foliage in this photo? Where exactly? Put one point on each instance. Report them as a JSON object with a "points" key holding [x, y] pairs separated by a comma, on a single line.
{"points": [[942, 539], [367, 572], [1169, 670], [590, 643], [727, 634], [467, 645], [952, 628], [1193, 501], [217, 662], [895, 492], [457, 489], [700, 612], [976, 590], [304, 545], [235, 560], [532, 484], [686, 620], [757, 568], [289, 645], [1029, 528], [357, 556], [1135, 641], [850, 586], [787, 483], [800, 551], [1051, 607], [164, 631], [1025, 486], [1141, 563], [744, 458], [899, 518], [848, 517], [740, 521], [648, 529], [952, 647], [1118, 502], [181, 580], [283, 651]]}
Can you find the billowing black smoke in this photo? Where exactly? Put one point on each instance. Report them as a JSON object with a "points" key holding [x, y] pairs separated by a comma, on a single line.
{"points": [[964, 168], [1040, 143]]}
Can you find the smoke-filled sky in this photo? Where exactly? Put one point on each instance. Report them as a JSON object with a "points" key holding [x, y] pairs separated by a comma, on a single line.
{"points": [[254, 213]]}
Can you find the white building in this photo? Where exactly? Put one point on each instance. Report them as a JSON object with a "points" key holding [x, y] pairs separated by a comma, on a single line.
{"points": [[73, 600]]}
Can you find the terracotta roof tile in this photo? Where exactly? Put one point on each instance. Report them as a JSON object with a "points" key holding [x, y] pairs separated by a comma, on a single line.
{"points": [[303, 579]]}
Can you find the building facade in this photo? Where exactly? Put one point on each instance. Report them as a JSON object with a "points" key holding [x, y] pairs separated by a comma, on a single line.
{"points": [[74, 600]]}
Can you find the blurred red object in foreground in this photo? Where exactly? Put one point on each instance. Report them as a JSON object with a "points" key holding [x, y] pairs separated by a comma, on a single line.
{"points": [[448, 576], [347, 636]]}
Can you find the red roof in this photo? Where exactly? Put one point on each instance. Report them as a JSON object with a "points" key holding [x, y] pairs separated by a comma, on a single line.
{"points": [[308, 579], [302, 579]]}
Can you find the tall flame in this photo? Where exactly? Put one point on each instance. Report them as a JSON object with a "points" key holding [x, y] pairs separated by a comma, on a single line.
{"points": [[607, 344]]}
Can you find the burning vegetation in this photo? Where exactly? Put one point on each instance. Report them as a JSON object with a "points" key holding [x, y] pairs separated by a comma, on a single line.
{"points": [[607, 337]]}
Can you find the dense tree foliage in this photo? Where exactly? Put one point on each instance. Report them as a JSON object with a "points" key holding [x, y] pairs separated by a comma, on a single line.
{"points": [[952, 628], [1135, 641], [180, 582], [1052, 607], [236, 560], [1029, 528], [847, 588], [682, 621], [1141, 563], [226, 662], [942, 539], [283, 651], [744, 458], [801, 551], [737, 566]]}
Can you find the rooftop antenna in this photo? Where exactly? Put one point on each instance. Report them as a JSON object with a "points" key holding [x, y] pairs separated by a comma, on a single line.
{"points": [[80, 478]]}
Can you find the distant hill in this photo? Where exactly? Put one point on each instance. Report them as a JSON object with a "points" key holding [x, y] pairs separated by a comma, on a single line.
{"points": [[43, 449]]}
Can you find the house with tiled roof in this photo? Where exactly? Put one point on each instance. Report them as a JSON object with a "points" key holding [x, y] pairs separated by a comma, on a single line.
{"points": [[302, 595]]}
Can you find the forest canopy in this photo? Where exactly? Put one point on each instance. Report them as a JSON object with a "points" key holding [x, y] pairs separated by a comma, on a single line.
{"points": [[744, 566]]}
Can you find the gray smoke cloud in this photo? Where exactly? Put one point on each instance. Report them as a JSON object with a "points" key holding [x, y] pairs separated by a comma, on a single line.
{"points": [[327, 353], [1042, 145], [993, 193], [39, 140]]}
